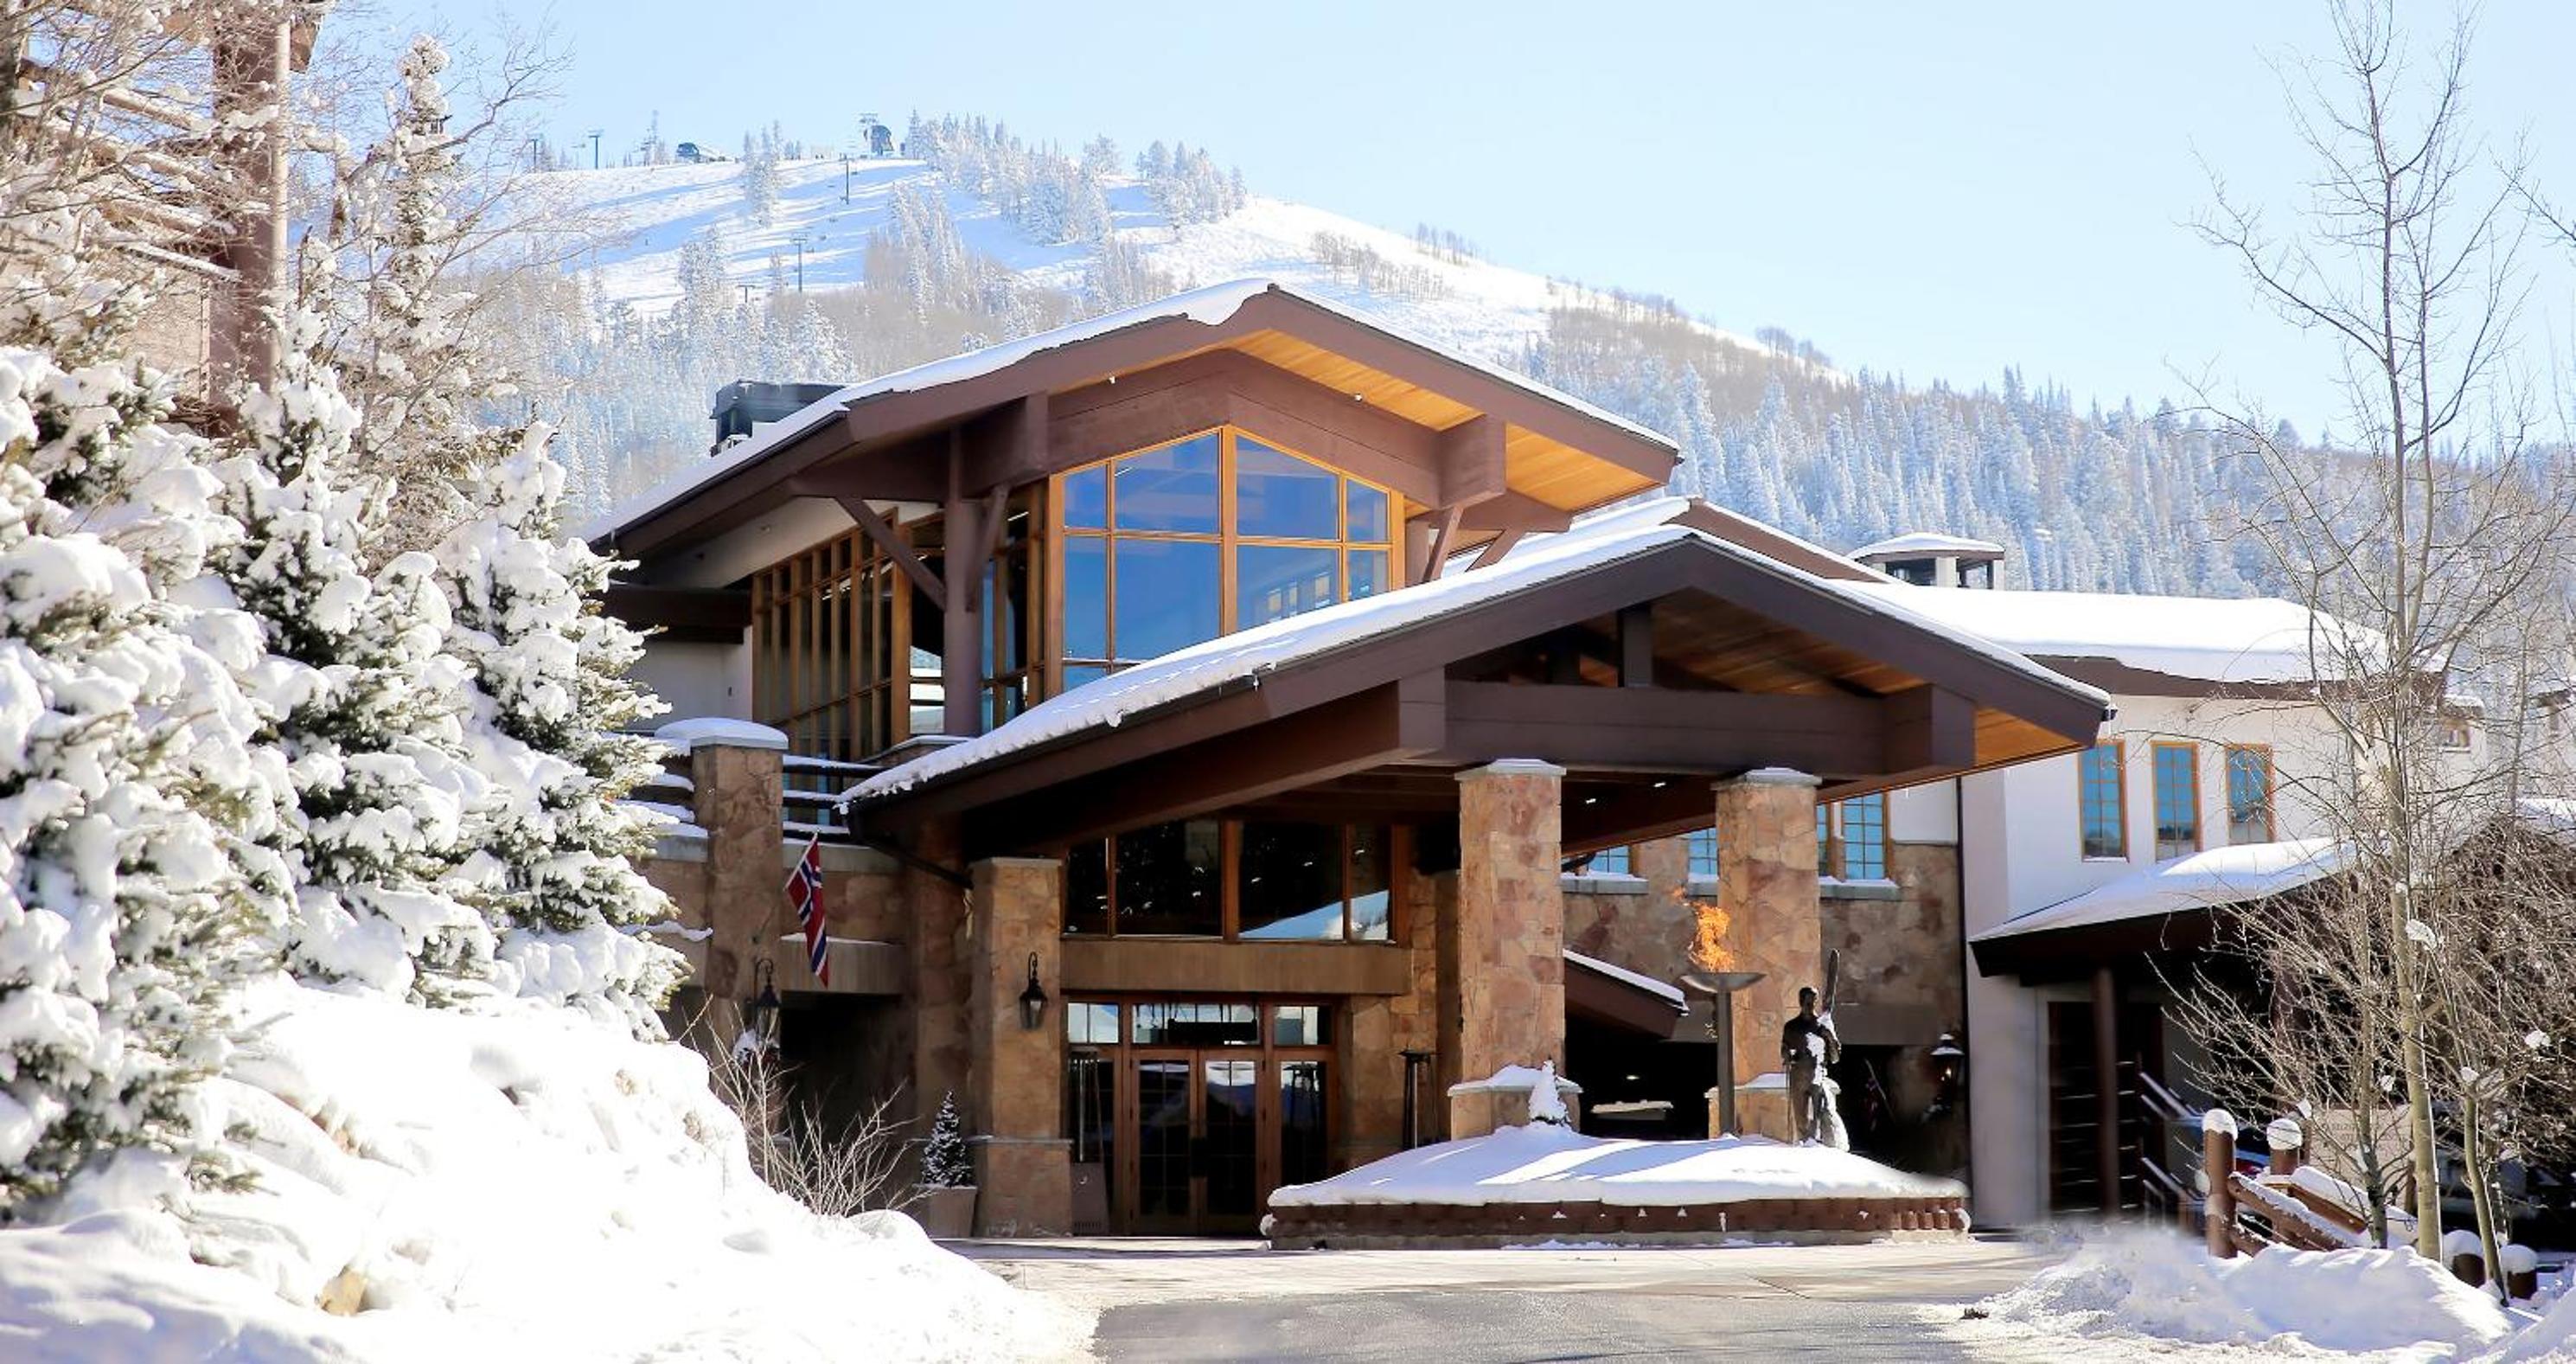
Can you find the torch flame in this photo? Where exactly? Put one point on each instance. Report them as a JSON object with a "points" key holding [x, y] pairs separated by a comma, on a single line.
{"points": [[1708, 939]]}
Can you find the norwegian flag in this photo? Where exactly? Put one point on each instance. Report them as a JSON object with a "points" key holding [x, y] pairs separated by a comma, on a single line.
{"points": [[805, 896]]}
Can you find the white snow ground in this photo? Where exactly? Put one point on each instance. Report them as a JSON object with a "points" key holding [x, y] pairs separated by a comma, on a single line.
{"points": [[510, 1183], [2154, 1294]]}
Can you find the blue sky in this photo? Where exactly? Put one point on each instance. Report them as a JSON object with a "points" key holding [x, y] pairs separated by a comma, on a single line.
{"points": [[1929, 189]]}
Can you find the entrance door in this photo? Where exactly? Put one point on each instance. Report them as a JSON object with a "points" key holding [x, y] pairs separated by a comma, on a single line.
{"points": [[1198, 1131], [1186, 1114]]}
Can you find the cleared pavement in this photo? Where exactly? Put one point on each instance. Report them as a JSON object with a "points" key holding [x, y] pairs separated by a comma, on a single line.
{"points": [[1226, 1300]]}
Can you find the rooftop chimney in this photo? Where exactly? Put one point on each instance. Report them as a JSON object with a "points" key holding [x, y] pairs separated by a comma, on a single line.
{"points": [[1927, 559]]}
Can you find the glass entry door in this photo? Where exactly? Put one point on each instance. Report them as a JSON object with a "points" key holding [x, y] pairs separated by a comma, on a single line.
{"points": [[1198, 1143], [1200, 1133]]}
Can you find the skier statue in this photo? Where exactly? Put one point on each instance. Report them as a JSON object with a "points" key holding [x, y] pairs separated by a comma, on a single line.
{"points": [[1807, 1046]]}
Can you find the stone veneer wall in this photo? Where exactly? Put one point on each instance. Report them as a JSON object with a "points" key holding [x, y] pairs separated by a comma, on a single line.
{"points": [[1649, 931], [1015, 1102], [1902, 959], [1376, 1029]]}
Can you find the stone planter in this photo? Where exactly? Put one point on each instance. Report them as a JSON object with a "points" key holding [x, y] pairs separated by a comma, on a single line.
{"points": [[946, 1213]]}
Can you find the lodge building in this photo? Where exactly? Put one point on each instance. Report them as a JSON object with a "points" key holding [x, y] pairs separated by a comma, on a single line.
{"points": [[1227, 741]]}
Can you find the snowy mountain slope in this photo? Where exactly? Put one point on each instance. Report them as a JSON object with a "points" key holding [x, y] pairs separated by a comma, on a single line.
{"points": [[2117, 497], [1484, 309]]}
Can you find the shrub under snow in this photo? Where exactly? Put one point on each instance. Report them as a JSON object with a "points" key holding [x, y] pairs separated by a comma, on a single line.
{"points": [[510, 1180]]}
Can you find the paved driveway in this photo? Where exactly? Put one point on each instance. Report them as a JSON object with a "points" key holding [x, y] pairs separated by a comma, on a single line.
{"points": [[1228, 1300]]}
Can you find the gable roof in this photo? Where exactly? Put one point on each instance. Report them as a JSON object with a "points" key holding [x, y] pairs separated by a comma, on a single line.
{"points": [[1312, 337], [1251, 659]]}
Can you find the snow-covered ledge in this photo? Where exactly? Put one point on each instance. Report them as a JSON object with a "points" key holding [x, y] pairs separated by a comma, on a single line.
{"points": [[717, 731], [1511, 1097]]}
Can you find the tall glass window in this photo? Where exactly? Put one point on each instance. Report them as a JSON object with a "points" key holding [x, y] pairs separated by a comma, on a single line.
{"points": [[1174, 545], [1275, 880], [1168, 879], [2249, 795], [2102, 796], [2177, 773]]}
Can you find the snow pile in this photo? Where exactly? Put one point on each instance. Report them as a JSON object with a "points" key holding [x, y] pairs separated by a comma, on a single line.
{"points": [[2552, 1338], [1543, 1163], [2165, 1287], [514, 1179]]}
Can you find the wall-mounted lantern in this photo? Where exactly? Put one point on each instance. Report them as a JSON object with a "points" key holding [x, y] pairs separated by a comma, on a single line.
{"points": [[1948, 1058], [761, 1017], [1033, 999]]}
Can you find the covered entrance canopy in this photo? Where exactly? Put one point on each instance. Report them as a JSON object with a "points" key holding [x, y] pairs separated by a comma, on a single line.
{"points": [[1647, 660]]}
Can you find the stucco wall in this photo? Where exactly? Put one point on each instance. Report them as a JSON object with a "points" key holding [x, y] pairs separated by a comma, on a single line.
{"points": [[697, 679], [2022, 851]]}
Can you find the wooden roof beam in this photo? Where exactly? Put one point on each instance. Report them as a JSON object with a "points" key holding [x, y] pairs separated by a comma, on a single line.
{"points": [[1369, 729], [886, 538], [1645, 729]]}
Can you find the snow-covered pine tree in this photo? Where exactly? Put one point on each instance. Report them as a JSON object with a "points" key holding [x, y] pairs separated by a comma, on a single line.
{"points": [[944, 1163], [124, 922], [550, 702], [358, 696], [410, 356]]}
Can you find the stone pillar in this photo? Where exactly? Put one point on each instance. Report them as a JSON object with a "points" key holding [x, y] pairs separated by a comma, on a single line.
{"points": [[1510, 919], [1766, 883], [933, 915], [1023, 1163], [734, 766]]}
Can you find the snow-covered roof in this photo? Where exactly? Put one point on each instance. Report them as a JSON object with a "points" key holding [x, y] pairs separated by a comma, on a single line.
{"points": [[1247, 655], [1656, 511], [2242, 640], [1209, 306], [1652, 986], [2202, 880], [1918, 543]]}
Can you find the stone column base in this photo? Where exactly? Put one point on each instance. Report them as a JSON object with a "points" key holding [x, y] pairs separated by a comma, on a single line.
{"points": [[1025, 1185], [1761, 1108], [1478, 1107]]}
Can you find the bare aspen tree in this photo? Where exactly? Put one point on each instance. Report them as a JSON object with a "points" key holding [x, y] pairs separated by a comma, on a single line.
{"points": [[2431, 519]]}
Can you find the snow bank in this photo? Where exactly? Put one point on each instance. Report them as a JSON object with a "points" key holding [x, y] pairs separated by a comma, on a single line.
{"points": [[2162, 1286], [1542, 1163], [515, 1179]]}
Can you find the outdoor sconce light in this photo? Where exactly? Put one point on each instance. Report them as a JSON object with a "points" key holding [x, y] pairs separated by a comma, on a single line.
{"points": [[1947, 1057], [760, 1017], [1033, 999]]}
